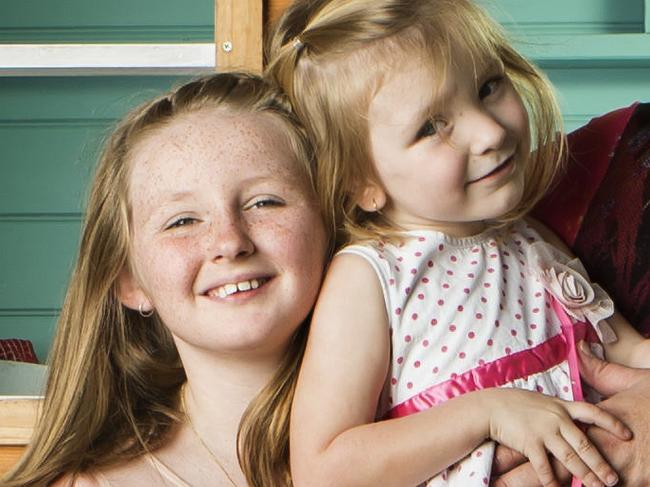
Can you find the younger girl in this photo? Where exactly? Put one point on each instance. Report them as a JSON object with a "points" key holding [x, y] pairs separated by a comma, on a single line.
{"points": [[420, 114], [180, 335]]}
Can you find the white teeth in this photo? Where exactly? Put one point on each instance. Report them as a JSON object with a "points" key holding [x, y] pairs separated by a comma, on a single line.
{"points": [[232, 288], [244, 286]]}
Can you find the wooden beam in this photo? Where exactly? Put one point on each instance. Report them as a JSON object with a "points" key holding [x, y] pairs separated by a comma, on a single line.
{"points": [[9, 456], [274, 9], [238, 35]]}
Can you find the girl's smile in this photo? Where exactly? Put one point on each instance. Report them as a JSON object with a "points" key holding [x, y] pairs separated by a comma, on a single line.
{"points": [[448, 158], [247, 286], [502, 170], [228, 244]]}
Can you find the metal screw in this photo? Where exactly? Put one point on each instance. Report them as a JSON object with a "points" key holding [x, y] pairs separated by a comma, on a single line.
{"points": [[226, 46]]}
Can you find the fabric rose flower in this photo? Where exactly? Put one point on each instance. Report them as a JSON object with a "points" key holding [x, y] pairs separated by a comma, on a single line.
{"points": [[567, 280]]}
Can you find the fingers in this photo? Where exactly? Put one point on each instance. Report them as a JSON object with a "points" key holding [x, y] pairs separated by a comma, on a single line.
{"points": [[506, 459], [590, 414], [539, 460], [574, 450], [605, 377], [525, 475]]}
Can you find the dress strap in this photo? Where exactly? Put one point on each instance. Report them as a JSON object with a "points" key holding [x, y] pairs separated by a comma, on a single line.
{"points": [[165, 471]]}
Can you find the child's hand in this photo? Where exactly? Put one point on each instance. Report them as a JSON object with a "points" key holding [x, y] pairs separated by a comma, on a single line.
{"points": [[533, 424]]}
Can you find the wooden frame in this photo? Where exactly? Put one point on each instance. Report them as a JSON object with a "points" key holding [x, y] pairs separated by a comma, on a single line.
{"points": [[239, 31]]}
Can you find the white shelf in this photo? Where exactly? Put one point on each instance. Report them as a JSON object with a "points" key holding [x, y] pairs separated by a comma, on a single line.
{"points": [[105, 59]]}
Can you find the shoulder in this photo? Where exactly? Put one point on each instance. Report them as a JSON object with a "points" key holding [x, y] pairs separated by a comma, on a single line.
{"points": [[353, 288], [349, 270], [548, 235]]}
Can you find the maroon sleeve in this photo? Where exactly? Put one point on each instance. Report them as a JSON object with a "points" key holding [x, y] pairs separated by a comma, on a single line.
{"points": [[601, 207]]}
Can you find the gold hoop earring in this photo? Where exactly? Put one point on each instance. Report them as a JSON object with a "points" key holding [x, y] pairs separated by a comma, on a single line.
{"points": [[144, 314]]}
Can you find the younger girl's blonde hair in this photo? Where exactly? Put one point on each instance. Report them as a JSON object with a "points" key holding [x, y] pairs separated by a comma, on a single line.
{"points": [[331, 56], [115, 377]]}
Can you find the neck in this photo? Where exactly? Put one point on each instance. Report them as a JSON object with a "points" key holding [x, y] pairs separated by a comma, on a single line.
{"points": [[457, 230], [220, 388]]}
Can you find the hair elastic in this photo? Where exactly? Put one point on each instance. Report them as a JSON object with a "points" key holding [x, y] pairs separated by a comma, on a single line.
{"points": [[297, 43], [144, 314]]}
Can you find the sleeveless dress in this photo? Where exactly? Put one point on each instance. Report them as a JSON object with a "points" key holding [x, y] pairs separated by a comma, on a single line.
{"points": [[499, 309]]}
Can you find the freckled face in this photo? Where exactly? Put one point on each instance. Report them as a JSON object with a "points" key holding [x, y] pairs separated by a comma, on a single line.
{"points": [[228, 245]]}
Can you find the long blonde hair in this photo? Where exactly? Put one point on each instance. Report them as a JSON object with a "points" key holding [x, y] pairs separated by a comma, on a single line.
{"points": [[115, 377], [331, 56]]}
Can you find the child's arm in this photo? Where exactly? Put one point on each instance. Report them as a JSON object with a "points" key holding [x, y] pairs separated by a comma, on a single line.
{"points": [[335, 442], [630, 348]]}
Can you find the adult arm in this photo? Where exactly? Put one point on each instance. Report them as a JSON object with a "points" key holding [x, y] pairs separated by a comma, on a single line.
{"points": [[629, 391]]}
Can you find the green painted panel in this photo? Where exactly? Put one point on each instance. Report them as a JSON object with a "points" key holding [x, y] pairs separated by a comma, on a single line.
{"points": [[39, 329], [46, 166], [580, 51], [585, 93], [36, 262], [528, 17], [83, 97], [101, 21], [50, 133]]}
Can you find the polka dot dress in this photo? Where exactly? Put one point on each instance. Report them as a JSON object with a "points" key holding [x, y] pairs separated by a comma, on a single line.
{"points": [[464, 313]]}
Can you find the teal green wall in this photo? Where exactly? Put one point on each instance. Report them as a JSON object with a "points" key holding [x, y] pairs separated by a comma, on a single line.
{"points": [[597, 52], [45, 21]]}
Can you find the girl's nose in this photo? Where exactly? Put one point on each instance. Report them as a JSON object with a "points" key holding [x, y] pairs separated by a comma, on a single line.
{"points": [[485, 133], [231, 240]]}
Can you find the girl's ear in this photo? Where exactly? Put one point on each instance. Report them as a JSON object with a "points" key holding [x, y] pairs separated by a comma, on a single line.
{"points": [[130, 293], [372, 198]]}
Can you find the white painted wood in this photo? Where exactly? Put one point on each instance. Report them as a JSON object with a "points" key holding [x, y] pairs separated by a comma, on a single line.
{"points": [[105, 59]]}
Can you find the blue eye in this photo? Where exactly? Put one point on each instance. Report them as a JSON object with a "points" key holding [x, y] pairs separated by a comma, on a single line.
{"points": [[181, 222], [490, 87]]}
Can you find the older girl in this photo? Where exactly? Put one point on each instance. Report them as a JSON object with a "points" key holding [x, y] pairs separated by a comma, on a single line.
{"points": [[201, 256]]}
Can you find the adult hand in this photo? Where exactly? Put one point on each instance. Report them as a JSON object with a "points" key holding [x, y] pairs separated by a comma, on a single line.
{"points": [[629, 391], [511, 469]]}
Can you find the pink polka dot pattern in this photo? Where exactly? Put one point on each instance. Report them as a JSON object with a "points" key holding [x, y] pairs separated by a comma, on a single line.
{"points": [[460, 304]]}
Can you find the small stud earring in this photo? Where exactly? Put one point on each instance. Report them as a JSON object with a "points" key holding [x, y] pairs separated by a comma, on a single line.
{"points": [[374, 205], [144, 314]]}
